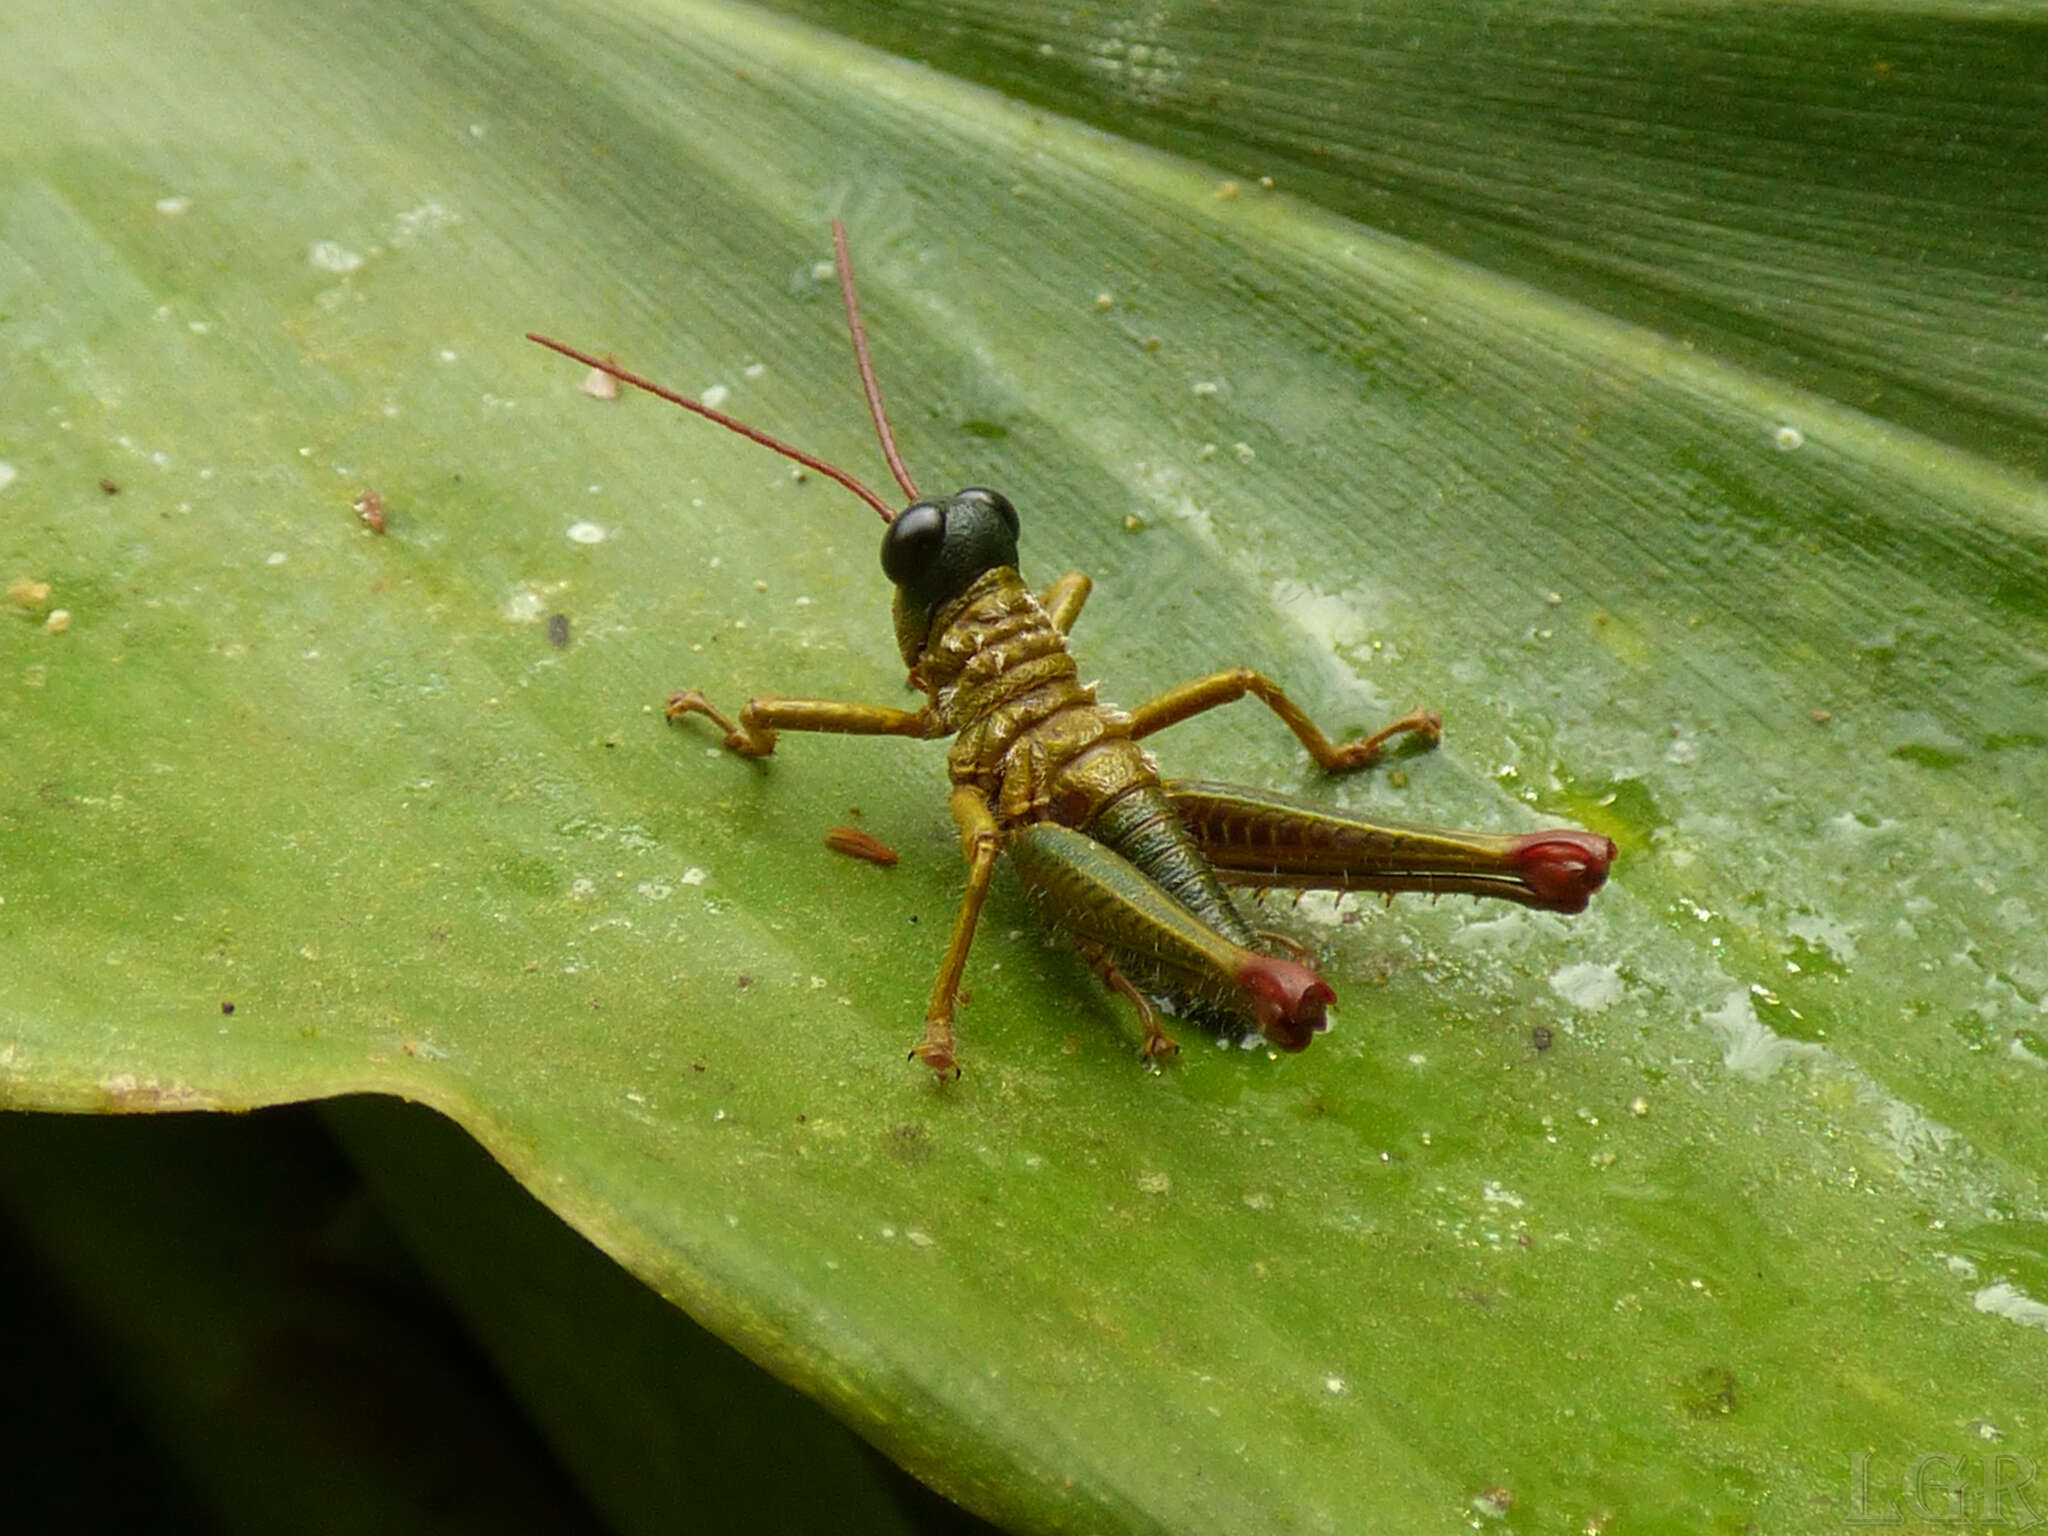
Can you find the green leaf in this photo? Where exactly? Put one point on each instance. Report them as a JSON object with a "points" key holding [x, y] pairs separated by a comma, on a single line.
{"points": [[1721, 1204]]}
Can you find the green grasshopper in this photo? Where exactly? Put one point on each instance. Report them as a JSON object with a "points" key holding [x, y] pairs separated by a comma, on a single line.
{"points": [[1133, 868]]}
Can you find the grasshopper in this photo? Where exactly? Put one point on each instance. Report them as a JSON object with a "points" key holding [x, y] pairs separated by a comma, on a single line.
{"points": [[1133, 868]]}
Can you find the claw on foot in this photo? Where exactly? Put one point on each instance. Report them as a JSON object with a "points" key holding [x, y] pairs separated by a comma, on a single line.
{"points": [[938, 1055], [737, 737], [688, 702], [1157, 1047], [1426, 723]]}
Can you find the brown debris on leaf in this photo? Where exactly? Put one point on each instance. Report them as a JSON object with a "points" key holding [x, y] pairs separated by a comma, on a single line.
{"points": [[856, 844]]}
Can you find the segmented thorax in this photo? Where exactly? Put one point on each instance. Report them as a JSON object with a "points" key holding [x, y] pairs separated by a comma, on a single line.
{"points": [[1029, 734]]}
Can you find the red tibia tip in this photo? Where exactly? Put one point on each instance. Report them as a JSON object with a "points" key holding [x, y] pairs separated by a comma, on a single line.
{"points": [[1563, 868], [1288, 998]]}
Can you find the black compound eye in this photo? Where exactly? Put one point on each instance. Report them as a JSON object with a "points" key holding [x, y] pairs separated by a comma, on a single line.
{"points": [[995, 501], [911, 546]]}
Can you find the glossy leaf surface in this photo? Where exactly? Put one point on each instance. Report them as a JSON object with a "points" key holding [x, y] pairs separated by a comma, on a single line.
{"points": [[1662, 1215]]}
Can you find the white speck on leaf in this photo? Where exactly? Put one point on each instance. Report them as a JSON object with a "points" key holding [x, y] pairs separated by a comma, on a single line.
{"points": [[333, 256], [525, 606], [428, 216], [1588, 985], [2009, 1301], [1749, 1046]]}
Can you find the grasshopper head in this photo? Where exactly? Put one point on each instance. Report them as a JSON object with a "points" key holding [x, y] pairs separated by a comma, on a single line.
{"points": [[936, 547]]}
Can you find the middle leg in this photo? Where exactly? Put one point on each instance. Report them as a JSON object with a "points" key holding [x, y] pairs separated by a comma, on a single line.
{"points": [[1205, 693], [981, 841]]}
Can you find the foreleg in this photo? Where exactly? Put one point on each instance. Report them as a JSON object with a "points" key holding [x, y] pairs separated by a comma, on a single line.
{"points": [[760, 720]]}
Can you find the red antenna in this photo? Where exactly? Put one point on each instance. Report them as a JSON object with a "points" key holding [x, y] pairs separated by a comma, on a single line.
{"points": [[844, 260], [868, 384]]}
